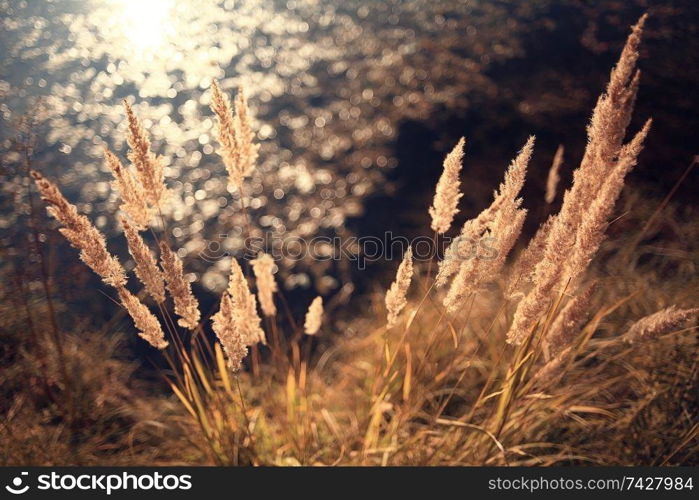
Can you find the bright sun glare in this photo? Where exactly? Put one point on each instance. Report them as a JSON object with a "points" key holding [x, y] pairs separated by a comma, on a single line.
{"points": [[146, 23]]}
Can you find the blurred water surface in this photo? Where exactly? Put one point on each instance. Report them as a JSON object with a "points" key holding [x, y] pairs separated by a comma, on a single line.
{"points": [[327, 82], [343, 94]]}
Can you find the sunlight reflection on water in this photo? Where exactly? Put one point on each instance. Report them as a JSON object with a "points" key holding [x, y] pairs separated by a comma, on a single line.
{"points": [[147, 26], [328, 83]]}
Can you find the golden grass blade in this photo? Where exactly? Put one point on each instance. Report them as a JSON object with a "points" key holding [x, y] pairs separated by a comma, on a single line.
{"points": [[407, 377]]}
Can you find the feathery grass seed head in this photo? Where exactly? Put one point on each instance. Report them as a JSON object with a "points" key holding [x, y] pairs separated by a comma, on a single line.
{"points": [[263, 267], [80, 232], [146, 267], [228, 333], [186, 305], [314, 316], [149, 168], [147, 324], [561, 333], [396, 294], [447, 194], [235, 135], [244, 306], [554, 176], [133, 199], [659, 323], [576, 232]]}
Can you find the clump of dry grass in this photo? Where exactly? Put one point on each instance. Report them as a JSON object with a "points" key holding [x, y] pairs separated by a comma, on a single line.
{"points": [[500, 224], [574, 234], [539, 374], [101, 414]]}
